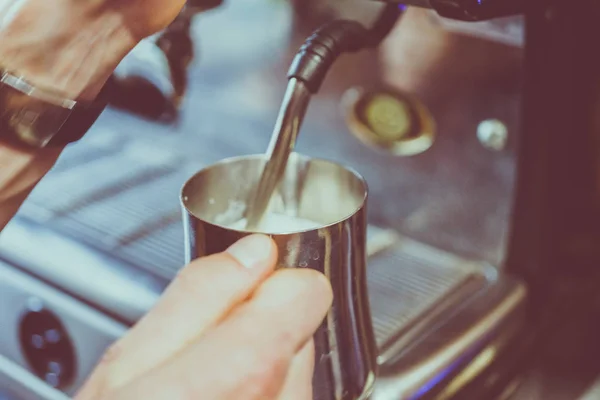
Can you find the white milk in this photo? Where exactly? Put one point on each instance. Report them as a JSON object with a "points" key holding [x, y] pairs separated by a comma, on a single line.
{"points": [[278, 223]]}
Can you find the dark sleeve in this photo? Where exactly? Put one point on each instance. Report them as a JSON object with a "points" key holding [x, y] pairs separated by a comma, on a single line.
{"points": [[83, 117]]}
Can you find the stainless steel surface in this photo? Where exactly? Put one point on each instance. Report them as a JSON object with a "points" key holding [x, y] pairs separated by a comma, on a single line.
{"points": [[417, 3], [455, 346], [506, 30], [101, 279], [434, 314], [335, 198], [16, 383], [283, 140], [90, 331], [409, 280], [509, 31]]}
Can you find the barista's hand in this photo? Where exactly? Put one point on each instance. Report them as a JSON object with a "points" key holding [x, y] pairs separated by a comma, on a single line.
{"points": [[227, 328], [72, 46]]}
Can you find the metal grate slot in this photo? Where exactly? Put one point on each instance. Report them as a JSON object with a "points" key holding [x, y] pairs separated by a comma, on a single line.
{"points": [[129, 214], [77, 157], [97, 144], [160, 252], [404, 283], [76, 187]]}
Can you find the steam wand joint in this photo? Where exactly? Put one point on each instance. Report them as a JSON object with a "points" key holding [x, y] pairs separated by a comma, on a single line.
{"points": [[322, 48]]}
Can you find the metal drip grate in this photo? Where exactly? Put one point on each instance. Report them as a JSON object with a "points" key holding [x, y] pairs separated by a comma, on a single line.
{"points": [[160, 251], [408, 279], [110, 194], [95, 145], [91, 182], [129, 214]]}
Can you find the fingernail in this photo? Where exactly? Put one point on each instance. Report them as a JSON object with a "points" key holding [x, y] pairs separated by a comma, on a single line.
{"points": [[251, 250]]}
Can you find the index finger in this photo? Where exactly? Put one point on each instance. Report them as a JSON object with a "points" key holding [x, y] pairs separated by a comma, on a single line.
{"points": [[202, 295], [247, 356]]}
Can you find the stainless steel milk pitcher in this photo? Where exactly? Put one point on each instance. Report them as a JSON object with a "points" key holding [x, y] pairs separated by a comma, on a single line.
{"points": [[335, 198]]}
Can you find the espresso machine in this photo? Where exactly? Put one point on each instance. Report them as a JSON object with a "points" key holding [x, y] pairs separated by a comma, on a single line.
{"points": [[446, 326], [505, 314]]}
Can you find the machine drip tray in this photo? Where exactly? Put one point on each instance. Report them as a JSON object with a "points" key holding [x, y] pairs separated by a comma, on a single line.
{"points": [[437, 317]]}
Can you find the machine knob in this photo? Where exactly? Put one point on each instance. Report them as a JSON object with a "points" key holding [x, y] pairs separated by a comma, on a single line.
{"points": [[47, 347], [390, 120]]}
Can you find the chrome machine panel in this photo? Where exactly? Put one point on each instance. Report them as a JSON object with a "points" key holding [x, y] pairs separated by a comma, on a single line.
{"points": [[77, 325]]}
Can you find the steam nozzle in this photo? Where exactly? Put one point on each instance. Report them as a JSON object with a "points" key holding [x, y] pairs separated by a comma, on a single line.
{"points": [[320, 50]]}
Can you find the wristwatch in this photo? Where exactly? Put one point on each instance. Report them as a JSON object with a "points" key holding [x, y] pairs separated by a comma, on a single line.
{"points": [[35, 118]]}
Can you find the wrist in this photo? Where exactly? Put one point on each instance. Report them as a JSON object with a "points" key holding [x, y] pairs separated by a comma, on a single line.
{"points": [[69, 47]]}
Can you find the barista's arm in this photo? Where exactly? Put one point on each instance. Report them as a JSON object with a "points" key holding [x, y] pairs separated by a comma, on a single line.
{"points": [[70, 46]]}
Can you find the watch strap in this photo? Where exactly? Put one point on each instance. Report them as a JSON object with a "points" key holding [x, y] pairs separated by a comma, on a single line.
{"points": [[31, 118], [82, 117]]}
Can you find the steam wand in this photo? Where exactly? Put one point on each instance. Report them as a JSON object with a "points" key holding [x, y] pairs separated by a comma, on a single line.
{"points": [[306, 74], [294, 105]]}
